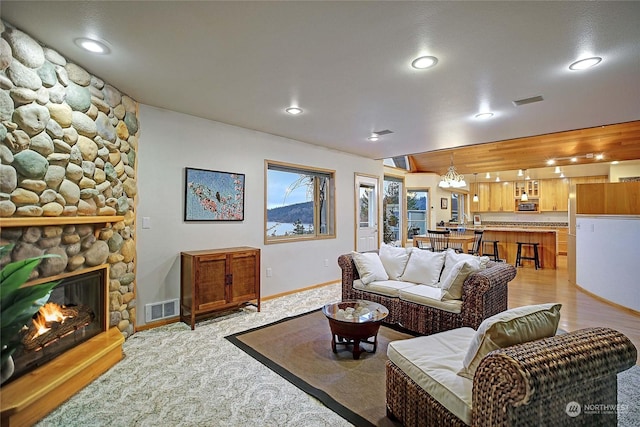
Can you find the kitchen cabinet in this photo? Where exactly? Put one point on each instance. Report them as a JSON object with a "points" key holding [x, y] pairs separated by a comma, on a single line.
{"points": [[501, 197], [554, 194], [218, 279], [483, 190], [493, 197], [531, 186], [561, 241]]}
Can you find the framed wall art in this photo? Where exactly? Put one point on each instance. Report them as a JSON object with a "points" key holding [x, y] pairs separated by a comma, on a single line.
{"points": [[444, 203], [213, 195]]}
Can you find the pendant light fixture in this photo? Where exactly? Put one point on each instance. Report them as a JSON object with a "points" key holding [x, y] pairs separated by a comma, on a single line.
{"points": [[452, 179], [475, 196], [524, 197]]}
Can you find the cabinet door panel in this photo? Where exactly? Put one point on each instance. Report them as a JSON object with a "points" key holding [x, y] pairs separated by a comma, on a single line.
{"points": [[209, 282], [244, 271]]}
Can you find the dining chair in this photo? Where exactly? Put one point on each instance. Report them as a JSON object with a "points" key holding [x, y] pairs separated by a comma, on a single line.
{"points": [[477, 242], [439, 239], [458, 247]]}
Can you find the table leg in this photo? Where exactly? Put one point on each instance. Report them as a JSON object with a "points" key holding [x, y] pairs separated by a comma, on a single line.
{"points": [[356, 349]]}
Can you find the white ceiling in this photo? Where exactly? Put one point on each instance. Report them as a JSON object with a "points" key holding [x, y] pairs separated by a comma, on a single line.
{"points": [[347, 64]]}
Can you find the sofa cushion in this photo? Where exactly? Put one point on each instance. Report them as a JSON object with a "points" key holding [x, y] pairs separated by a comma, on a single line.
{"points": [[452, 258], [431, 297], [423, 267], [432, 362], [515, 326], [369, 266], [394, 260], [390, 288], [451, 285]]}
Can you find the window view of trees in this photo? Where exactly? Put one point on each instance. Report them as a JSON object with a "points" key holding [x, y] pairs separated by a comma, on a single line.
{"points": [[391, 213], [417, 212], [299, 202]]}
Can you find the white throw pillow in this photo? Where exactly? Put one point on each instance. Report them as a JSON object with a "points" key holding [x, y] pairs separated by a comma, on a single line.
{"points": [[452, 258], [451, 285], [394, 260], [369, 267], [515, 326], [424, 267]]}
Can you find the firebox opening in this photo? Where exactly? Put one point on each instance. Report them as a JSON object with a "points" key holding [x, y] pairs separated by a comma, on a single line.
{"points": [[74, 313]]}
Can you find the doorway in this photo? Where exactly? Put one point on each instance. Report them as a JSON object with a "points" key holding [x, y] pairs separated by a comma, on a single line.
{"points": [[366, 194]]}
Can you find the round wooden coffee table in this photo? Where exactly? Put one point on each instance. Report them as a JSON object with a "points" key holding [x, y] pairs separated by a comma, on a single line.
{"points": [[353, 322]]}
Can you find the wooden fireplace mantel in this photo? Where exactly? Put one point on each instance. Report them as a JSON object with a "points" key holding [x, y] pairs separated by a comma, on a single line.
{"points": [[43, 221], [32, 396]]}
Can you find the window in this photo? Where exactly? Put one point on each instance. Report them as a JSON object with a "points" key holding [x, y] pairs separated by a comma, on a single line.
{"points": [[417, 212], [392, 216], [457, 208], [300, 203]]}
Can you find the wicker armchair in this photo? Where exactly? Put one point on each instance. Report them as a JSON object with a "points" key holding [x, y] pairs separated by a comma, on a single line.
{"points": [[531, 384]]}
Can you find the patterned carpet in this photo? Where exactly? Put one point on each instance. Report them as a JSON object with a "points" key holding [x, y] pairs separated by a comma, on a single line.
{"points": [[173, 376]]}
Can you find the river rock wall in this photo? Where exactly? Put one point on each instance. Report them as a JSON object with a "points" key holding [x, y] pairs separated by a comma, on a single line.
{"points": [[68, 143]]}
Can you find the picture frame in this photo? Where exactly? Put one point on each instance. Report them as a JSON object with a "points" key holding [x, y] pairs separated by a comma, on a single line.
{"points": [[476, 220], [444, 203], [212, 195]]}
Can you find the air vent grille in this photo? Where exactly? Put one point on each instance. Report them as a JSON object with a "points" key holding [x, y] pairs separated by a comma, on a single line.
{"points": [[161, 310], [383, 132], [525, 101]]}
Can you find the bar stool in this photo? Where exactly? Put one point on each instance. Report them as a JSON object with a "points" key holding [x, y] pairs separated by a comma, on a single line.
{"points": [[534, 258], [496, 256]]}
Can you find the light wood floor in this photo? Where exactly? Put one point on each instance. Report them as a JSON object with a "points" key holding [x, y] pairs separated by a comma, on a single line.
{"points": [[579, 309]]}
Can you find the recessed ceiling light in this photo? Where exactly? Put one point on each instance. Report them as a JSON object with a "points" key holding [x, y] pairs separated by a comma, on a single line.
{"points": [[615, 162], [374, 137], [586, 63], [424, 62], [574, 159], [483, 116], [550, 162], [599, 156], [294, 110], [93, 46]]}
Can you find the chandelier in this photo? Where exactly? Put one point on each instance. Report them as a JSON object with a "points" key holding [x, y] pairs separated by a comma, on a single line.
{"points": [[452, 179]]}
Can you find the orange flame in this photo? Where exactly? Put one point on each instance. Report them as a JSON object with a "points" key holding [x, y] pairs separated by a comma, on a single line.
{"points": [[50, 312]]}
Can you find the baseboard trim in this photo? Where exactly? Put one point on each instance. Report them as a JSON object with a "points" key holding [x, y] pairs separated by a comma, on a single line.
{"points": [[176, 319], [295, 291], [606, 301]]}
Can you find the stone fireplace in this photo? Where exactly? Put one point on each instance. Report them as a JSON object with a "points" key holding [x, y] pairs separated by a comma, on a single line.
{"points": [[68, 153]]}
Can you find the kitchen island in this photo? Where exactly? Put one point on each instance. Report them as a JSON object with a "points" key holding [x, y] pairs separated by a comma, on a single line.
{"points": [[508, 235]]}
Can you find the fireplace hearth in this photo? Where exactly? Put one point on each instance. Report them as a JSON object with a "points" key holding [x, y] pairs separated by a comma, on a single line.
{"points": [[61, 356]]}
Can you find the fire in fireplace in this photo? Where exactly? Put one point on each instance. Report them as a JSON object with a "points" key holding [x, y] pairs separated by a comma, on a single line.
{"points": [[74, 313]]}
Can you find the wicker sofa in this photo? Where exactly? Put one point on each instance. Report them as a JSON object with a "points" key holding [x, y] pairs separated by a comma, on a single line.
{"points": [[568, 379], [484, 294]]}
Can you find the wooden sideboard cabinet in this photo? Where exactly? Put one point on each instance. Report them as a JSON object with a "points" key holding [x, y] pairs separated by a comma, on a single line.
{"points": [[218, 279]]}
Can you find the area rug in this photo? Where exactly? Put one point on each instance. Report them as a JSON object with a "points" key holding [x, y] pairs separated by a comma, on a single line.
{"points": [[299, 349]]}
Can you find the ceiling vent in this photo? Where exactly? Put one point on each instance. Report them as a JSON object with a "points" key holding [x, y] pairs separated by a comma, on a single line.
{"points": [[383, 132], [525, 101]]}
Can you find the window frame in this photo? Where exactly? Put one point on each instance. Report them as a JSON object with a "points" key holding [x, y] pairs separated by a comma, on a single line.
{"points": [[427, 209], [329, 208]]}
